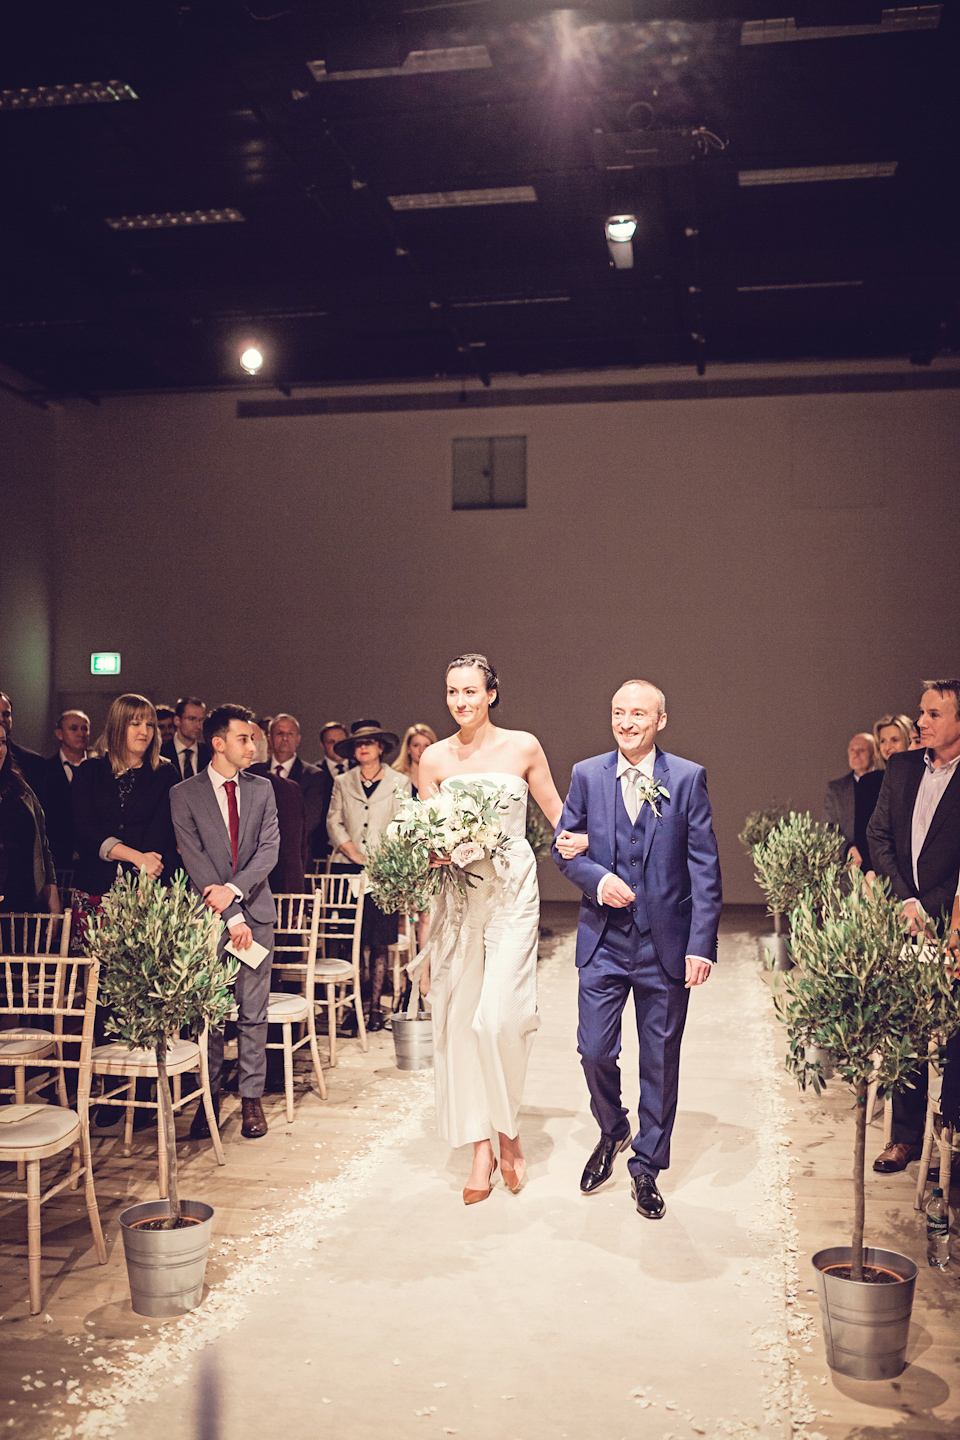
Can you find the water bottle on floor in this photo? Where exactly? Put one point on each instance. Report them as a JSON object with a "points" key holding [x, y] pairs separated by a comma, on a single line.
{"points": [[938, 1229]]}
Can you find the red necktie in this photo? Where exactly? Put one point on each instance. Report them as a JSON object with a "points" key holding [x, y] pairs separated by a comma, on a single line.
{"points": [[231, 788]]}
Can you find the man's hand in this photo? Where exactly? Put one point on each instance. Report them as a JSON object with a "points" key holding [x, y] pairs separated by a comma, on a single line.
{"points": [[219, 897], [241, 936], [854, 858], [617, 894], [913, 923], [152, 863], [697, 971]]}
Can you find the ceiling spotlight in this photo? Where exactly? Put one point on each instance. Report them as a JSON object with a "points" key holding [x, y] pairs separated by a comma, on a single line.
{"points": [[252, 360], [620, 230]]}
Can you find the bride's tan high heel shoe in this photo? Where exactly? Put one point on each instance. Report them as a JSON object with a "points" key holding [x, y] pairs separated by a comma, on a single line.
{"points": [[473, 1197], [513, 1181]]}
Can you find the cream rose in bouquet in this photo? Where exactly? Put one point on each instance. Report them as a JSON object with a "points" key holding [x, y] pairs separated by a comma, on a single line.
{"points": [[463, 823]]}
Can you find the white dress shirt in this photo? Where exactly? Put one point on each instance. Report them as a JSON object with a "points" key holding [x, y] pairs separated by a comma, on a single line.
{"points": [[69, 766], [336, 767], [180, 748], [932, 786], [282, 770], [218, 782], [645, 767]]}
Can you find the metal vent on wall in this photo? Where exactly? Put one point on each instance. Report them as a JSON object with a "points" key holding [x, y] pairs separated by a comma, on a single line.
{"points": [[490, 472]]}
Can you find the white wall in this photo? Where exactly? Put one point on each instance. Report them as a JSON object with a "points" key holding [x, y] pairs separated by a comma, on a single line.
{"points": [[775, 564]]}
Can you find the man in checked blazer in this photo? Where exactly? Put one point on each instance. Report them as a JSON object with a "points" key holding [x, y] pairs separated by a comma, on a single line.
{"points": [[229, 840]]}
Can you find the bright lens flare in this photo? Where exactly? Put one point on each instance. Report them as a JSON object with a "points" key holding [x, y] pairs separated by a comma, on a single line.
{"points": [[251, 360]]}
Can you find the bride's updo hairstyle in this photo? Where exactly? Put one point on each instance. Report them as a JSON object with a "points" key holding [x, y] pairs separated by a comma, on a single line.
{"points": [[464, 662]]}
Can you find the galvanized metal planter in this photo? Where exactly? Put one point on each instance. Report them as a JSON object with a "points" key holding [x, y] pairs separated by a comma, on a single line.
{"points": [[775, 951], [165, 1268], [865, 1327], [413, 1040], [814, 1054]]}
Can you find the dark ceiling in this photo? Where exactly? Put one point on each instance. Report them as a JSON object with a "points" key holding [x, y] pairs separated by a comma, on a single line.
{"points": [[655, 107]]}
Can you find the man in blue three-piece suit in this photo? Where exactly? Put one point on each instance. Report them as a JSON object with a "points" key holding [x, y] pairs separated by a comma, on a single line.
{"points": [[651, 902]]}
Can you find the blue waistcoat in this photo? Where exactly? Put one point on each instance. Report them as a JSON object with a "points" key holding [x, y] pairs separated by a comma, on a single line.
{"points": [[630, 840]]}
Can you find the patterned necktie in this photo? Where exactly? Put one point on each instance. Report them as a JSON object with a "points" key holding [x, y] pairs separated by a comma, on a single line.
{"points": [[631, 795], [234, 815], [188, 764]]}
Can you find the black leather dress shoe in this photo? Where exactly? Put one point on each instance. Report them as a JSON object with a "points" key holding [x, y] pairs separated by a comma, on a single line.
{"points": [[648, 1199], [199, 1129], [599, 1167]]}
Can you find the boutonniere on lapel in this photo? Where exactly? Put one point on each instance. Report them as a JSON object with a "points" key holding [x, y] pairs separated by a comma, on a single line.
{"points": [[652, 790]]}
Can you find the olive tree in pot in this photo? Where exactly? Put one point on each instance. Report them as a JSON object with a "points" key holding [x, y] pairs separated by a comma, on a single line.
{"points": [[756, 828], [160, 974], [877, 1001], [796, 856], [399, 879]]}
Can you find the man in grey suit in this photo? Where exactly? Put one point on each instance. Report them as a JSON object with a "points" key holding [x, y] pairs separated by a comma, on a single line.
{"points": [[849, 801], [229, 840]]}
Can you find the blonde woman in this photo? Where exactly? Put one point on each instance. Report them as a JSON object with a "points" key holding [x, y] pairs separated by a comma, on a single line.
{"points": [[415, 741], [121, 806], [891, 734]]}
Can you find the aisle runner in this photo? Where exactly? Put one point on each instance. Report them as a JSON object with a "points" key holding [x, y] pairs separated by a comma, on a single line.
{"points": [[420, 1289]]}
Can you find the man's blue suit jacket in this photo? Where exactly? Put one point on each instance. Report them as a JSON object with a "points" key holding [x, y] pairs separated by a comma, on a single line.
{"points": [[681, 868]]}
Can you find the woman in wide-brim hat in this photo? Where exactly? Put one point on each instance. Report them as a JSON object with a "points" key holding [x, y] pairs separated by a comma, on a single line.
{"points": [[363, 803]]}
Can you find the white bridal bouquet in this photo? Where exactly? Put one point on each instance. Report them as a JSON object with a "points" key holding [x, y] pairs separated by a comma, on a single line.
{"points": [[463, 821]]}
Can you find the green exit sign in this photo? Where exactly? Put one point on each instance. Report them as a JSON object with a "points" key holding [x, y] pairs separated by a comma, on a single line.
{"points": [[105, 662]]}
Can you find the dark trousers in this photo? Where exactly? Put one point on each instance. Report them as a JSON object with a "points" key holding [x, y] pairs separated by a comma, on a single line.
{"points": [[910, 1106], [626, 961], [252, 991]]}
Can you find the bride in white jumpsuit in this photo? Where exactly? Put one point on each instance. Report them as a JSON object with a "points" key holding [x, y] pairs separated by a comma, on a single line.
{"points": [[480, 962]]}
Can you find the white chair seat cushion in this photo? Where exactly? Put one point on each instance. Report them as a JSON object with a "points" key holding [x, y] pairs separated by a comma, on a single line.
{"points": [[333, 969], [117, 1059], [402, 942], [48, 1126], [22, 1043], [281, 1009]]}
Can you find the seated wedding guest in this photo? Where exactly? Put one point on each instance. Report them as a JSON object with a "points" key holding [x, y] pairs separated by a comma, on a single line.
{"points": [[29, 763], [891, 734], [226, 824], [412, 746], [166, 724], [315, 783], [288, 875], [73, 735], [188, 750], [849, 801], [915, 844], [28, 880], [121, 809], [365, 800]]}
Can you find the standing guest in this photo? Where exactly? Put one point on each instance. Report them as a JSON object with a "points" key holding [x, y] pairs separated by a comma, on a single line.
{"points": [[121, 808], [166, 724], [288, 875], [412, 746], [28, 880], [315, 783], [648, 925], [331, 735], [188, 750], [365, 800], [229, 838], [28, 762], [915, 843], [891, 735], [264, 723], [915, 742], [73, 735], [849, 801]]}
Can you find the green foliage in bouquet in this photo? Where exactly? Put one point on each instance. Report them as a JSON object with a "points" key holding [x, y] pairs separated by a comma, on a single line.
{"points": [[874, 998], [797, 856], [159, 974], [399, 875], [759, 823], [539, 831]]}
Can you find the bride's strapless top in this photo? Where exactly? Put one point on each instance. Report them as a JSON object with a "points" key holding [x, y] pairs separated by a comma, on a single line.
{"points": [[514, 787]]}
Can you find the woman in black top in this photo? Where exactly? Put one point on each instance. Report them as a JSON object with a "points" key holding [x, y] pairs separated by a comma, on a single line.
{"points": [[28, 881], [121, 807]]}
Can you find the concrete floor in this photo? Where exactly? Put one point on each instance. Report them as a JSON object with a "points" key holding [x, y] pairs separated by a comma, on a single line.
{"points": [[353, 1295]]}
